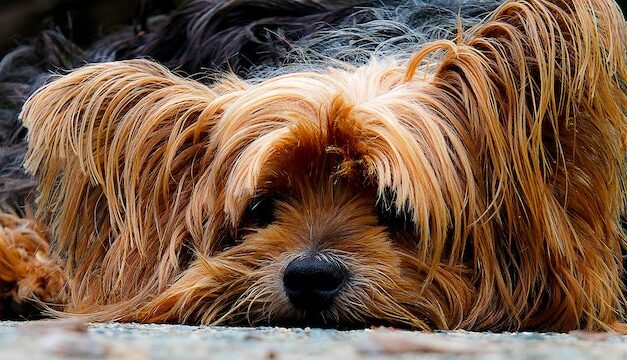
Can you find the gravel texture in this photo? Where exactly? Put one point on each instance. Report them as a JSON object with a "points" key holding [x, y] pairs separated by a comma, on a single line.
{"points": [[73, 340]]}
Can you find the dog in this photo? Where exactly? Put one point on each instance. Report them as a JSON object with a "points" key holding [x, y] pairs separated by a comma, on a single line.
{"points": [[239, 36], [475, 183]]}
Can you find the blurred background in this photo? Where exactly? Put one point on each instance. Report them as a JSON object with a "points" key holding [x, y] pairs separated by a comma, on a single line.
{"points": [[83, 21]]}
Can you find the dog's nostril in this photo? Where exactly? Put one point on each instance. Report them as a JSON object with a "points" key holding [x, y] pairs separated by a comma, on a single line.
{"points": [[312, 283]]}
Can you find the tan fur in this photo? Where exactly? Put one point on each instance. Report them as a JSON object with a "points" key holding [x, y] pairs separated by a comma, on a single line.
{"points": [[26, 272], [506, 147]]}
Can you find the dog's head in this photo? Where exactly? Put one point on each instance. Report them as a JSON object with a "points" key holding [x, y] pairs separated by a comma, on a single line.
{"points": [[322, 180], [448, 191]]}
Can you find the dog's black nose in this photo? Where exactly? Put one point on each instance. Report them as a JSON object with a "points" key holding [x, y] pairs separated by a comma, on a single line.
{"points": [[312, 283]]}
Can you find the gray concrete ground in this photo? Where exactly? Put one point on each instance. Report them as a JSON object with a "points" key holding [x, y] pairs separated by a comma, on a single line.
{"points": [[76, 340]]}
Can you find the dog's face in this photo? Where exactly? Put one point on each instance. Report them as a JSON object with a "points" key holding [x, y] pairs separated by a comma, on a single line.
{"points": [[325, 258], [320, 203], [328, 250]]}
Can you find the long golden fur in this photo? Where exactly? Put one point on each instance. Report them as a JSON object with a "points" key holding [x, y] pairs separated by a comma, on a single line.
{"points": [[501, 154]]}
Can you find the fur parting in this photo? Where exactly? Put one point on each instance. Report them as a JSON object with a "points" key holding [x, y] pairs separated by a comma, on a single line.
{"points": [[506, 146]]}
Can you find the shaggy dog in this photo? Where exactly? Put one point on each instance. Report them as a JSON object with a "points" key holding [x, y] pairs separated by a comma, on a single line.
{"points": [[475, 182]]}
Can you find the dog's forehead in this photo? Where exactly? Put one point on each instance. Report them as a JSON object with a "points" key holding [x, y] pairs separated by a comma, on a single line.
{"points": [[310, 115], [368, 123]]}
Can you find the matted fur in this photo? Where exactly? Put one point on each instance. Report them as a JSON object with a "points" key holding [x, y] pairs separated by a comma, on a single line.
{"points": [[502, 153]]}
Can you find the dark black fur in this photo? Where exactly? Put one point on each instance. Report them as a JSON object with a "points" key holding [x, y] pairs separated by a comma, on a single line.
{"points": [[234, 34], [22, 71]]}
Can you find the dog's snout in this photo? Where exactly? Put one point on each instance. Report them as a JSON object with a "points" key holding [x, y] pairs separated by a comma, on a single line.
{"points": [[312, 283]]}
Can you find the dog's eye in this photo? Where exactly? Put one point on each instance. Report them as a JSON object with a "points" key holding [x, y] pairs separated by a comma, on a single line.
{"points": [[393, 219], [260, 211]]}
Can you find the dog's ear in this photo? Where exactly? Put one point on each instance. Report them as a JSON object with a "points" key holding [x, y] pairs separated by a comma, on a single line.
{"points": [[539, 88], [117, 148]]}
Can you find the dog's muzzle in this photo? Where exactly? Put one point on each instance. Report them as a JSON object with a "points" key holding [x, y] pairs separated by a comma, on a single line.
{"points": [[312, 283]]}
